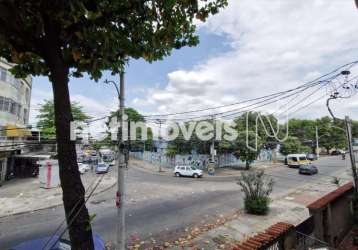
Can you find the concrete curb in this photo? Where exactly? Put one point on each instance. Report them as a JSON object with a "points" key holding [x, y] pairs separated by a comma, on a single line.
{"points": [[55, 205]]}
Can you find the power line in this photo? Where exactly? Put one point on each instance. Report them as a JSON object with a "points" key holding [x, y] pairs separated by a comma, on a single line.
{"points": [[271, 96], [302, 99], [70, 214], [241, 109], [265, 104], [349, 65], [78, 212], [319, 98]]}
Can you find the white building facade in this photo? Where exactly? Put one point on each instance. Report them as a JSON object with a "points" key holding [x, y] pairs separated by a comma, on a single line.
{"points": [[15, 99]]}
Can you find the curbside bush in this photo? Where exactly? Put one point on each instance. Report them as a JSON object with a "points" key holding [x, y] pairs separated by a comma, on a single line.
{"points": [[257, 188], [259, 206]]}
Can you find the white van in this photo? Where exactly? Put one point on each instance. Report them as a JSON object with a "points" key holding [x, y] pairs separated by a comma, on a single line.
{"points": [[296, 160]]}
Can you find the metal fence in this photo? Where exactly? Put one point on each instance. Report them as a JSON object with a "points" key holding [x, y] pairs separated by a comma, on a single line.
{"points": [[305, 236]]}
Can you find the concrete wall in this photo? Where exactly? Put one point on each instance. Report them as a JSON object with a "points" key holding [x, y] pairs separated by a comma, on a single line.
{"points": [[333, 216], [342, 219], [199, 160]]}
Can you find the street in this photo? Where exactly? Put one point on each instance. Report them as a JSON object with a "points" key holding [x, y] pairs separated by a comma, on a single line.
{"points": [[161, 207]]}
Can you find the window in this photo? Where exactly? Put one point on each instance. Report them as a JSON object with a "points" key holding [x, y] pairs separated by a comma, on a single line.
{"points": [[17, 83], [12, 107], [302, 158], [292, 159], [19, 111], [3, 74], [6, 105], [182, 168]]}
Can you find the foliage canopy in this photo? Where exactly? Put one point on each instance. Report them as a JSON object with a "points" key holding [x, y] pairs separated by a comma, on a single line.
{"points": [[92, 36]]}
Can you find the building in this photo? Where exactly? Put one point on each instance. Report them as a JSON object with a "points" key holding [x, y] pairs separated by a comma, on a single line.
{"points": [[15, 97]]}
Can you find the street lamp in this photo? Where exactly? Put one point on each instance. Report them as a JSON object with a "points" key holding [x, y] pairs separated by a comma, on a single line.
{"points": [[121, 162], [115, 85]]}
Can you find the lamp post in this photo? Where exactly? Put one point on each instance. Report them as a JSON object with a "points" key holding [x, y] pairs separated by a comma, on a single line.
{"points": [[121, 162]]}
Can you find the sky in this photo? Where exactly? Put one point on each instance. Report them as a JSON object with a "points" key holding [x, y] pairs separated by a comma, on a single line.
{"points": [[250, 49]]}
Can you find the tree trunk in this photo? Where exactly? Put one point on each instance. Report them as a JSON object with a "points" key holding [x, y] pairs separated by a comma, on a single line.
{"points": [[73, 191]]}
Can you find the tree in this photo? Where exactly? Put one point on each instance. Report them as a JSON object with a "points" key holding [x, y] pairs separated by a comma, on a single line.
{"points": [[243, 152], [331, 133], [132, 116], [303, 129], [182, 145], [291, 146], [46, 117], [257, 188], [65, 37], [266, 125]]}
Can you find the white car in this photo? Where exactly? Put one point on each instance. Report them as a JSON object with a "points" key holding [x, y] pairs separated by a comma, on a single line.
{"points": [[83, 168], [187, 171], [102, 168]]}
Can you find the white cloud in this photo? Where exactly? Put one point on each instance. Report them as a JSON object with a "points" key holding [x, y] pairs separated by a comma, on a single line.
{"points": [[275, 45]]}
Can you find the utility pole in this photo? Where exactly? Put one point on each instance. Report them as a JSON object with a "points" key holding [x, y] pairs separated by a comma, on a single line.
{"points": [[160, 145], [212, 148], [351, 153], [121, 237], [317, 143]]}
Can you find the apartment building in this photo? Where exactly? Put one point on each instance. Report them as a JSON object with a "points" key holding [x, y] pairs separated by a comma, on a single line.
{"points": [[15, 98]]}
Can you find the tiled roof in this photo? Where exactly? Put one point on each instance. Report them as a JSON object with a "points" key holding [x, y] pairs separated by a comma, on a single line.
{"points": [[262, 239]]}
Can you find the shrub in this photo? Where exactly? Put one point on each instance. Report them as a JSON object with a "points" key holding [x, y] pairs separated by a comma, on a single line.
{"points": [[259, 206], [257, 188]]}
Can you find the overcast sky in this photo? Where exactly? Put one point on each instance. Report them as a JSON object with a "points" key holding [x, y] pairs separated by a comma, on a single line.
{"points": [[252, 48]]}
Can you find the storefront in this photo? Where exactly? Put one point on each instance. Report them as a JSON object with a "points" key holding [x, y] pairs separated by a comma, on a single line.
{"points": [[25, 165]]}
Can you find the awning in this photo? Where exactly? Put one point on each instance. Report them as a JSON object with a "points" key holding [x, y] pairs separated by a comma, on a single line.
{"points": [[14, 131]]}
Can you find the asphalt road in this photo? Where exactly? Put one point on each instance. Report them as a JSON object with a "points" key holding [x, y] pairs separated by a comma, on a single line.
{"points": [[160, 206]]}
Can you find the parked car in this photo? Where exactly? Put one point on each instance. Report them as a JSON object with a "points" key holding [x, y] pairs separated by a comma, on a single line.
{"points": [[337, 152], [187, 171], [83, 168], [311, 157], [102, 168], [296, 160], [308, 169]]}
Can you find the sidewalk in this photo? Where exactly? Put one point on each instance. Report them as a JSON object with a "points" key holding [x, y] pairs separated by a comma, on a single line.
{"points": [[25, 195], [219, 172], [245, 225]]}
